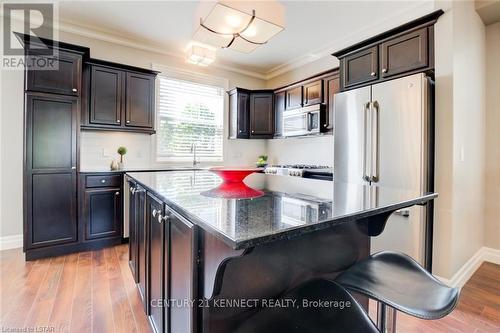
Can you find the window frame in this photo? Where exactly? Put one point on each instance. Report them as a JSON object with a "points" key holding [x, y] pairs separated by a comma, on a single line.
{"points": [[203, 79]]}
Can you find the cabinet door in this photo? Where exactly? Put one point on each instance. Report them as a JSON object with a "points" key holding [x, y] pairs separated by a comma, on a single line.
{"points": [[65, 80], [332, 84], [360, 67], [102, 213], [156, 262], [313, 93], [142, 240], [404, 53], [293, 98], [105, 96], [50, 174], [239, 115], [140, 92], [279, 107], [133, 244], [183, 272], [261, 115]]}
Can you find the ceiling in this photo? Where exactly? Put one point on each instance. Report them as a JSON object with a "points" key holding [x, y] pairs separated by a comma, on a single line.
{"points": [[312, 28]]}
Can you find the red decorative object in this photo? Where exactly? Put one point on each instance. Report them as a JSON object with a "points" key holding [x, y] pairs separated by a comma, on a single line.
{"points": [[233, 175], [232, 190]]}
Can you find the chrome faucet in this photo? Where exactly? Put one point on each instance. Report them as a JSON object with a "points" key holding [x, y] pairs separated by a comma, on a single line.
{"points": [[193, 151]]}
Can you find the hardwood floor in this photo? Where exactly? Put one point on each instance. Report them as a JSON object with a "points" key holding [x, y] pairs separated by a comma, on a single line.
{"points": [[95, 292]]}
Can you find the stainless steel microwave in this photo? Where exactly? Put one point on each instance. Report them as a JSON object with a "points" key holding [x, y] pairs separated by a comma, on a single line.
{"points": [[304, 121]]}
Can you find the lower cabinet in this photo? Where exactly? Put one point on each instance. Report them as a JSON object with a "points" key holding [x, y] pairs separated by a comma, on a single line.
{"points": [[167, 266]]}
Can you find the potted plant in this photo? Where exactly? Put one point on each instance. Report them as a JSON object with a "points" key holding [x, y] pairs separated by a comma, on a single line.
{"points": [[262, 161], [121, 151]]}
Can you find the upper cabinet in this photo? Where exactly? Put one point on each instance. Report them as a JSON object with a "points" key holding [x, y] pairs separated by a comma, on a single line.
{"points": [[64, 80], [279, 107], [251, 114], [293, 97], [402, 51], [360, 67], [313, 93], [119, 98]]}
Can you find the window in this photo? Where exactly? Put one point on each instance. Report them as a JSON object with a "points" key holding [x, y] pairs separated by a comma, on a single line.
{"points": [[189, 113]]}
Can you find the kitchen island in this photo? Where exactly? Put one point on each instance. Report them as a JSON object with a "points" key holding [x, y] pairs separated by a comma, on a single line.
{"points": [[201, 258]]}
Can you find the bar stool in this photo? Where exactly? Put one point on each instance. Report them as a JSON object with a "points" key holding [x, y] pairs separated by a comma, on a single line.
{"points": [[313, 319], [397, 281]]}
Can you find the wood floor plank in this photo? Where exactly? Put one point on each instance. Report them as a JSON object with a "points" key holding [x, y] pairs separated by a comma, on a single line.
{"points": [[102, 311], [81, 309]]}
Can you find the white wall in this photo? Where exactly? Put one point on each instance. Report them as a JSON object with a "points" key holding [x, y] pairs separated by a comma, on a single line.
{"points": [[492, 230], [460, 140]]}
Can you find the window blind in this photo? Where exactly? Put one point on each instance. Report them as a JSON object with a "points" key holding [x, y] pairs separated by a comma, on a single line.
{"points": [[188, 113]]}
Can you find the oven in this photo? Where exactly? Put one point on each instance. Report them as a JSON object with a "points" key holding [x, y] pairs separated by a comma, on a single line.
{"points": [[304, 121]]}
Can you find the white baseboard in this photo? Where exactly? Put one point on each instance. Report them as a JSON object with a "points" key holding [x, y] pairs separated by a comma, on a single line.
{"points": [[11, 242], [460, 278]]}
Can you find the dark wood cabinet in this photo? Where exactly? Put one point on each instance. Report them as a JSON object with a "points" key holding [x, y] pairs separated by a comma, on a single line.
{"points": [[239, 114], [279, 107], [313, 93], [141, 233], [105, 96], [360, 67], [261, 115], [64, 79], [251, 114], [332, 86], [50, 170], [133, 240], [158, 263], [102, 213], [139, 92], [118, 98], [293, 97], [404, 53], [183, 272]]}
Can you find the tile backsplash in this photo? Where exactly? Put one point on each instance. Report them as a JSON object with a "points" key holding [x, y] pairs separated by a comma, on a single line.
{"points": [[98, 149]]}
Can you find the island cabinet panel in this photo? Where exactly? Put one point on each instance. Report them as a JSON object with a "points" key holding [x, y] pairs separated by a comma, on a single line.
{"points": [[360, 67], [404, 53], [313, 93], [102, 213], [64, 79], [183, 273], [141, 234], [50, 176], [157, 267], [261, 115], [293, 98], [105, 96], [133, 241], [139, 109]]}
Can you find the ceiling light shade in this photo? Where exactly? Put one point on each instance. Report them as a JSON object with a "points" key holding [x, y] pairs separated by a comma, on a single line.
{"points": [[200, 55], [239, 29]]}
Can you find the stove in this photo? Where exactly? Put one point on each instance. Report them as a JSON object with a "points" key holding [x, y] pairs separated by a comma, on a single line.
{"points": [[300, 170]]}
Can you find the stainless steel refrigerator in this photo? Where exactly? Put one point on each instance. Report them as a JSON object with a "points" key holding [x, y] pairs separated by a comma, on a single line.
{"points": [[383, 137]]}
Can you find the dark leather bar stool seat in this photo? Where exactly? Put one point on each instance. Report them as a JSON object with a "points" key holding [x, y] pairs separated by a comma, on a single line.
{"points": [[314, 319], [400, 282]]}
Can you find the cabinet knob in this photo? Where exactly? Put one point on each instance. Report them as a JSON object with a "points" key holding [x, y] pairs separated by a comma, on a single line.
{"points": [[117, 193], [132, 190], [154, 212], [74, 90], [103, 181], [384, 70], [253, 131], [73, 168], [128, 121], [373, 73], [117, 120]]}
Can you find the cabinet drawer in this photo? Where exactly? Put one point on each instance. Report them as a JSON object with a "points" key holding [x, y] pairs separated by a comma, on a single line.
{"points": [[103, 181]]}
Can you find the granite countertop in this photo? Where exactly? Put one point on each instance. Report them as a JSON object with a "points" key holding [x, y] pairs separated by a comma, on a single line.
{"points": [[289, 207]]}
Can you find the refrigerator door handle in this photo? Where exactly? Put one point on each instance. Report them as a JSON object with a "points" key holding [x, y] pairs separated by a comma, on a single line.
{"points": [[374, 175], [366, 138]]}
